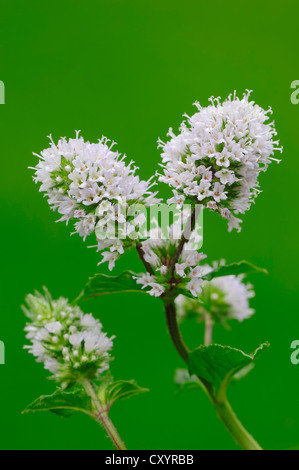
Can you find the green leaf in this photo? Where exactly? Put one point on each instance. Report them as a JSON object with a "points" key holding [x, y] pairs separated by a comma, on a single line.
{"points": [[218, 364], [101, 284], [110, 392], [63, 403], [243, 267]]}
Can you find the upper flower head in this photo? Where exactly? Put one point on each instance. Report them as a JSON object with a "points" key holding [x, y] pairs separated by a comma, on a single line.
{"points": [[218, 155], [71, 344], [88, 183]]}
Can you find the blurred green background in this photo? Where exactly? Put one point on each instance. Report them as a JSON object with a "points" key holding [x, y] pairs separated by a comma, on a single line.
{"points": [[129, 70]]}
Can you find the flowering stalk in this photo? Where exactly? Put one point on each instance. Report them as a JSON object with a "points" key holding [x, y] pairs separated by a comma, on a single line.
{"points": [[209, 324], [75, 350], [235, 427], [102, 416], [184, 238], [173, 328], [222, 406]]}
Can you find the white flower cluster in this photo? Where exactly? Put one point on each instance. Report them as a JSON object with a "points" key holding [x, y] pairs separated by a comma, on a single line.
{"points": [[159, 253], [218, 155], [223, 298], [71, 344], [89, 182]]}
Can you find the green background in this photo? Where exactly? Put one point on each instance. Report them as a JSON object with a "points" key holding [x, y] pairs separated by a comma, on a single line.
{"points": [[129, 70]]}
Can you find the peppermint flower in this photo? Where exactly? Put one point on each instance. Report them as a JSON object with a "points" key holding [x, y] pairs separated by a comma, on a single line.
{"points": [[218, 155], [91, 184], [223, 298], [71, 344], [159, 254]]}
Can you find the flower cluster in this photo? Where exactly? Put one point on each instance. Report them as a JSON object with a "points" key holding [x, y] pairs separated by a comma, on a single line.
{"points": [[71, 344], [159, 254], [223, 298], [91, 184], [218, 155]]}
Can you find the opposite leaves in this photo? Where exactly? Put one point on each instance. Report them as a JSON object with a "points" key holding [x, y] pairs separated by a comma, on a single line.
{"points": [[102, 284], [66, 402]]}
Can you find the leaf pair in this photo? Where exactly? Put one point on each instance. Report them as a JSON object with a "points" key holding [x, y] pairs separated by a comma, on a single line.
{"points": [[66, 402], [101, 284]]}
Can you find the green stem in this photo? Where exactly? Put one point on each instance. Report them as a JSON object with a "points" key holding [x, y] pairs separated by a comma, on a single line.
{"points": [[209, 324], [147, 266], [223, 408], [102, 416], [184, 238], [235, 427], [174, 331]]}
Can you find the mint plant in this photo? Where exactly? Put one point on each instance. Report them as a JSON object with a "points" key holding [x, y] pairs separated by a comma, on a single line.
{"points": [[76, 351], [214, 162]]}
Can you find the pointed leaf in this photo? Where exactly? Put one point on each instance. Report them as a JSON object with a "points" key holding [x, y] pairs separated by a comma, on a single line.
{"points": [[111, 392], [244, 267], [63, 403], [101, 284], [218, 364]]}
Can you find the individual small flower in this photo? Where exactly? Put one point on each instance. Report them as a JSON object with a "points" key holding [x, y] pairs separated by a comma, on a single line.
{"points": [[156, 290], [71, 344], [226, 177], [223, 298], [197, 271], [219, 193], [180, 269], [92, 185], [195, 286], [177, 199], [218, 155], [193, 258], [111, 257], [145, 280]]}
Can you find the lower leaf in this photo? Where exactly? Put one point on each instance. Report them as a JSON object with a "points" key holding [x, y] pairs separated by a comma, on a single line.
{"points": [[218, 364], [63, 403]]}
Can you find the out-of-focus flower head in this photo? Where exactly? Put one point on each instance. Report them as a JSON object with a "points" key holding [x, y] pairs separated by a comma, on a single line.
{"points": [[222, 298], [71, 344]]}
